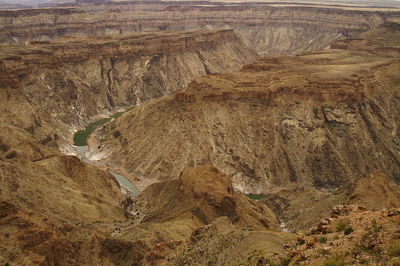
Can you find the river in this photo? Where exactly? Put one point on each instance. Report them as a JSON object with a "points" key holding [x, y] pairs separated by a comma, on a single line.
{"points": [[80, 142]]}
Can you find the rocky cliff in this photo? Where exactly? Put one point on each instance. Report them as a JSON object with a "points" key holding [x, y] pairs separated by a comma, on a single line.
{"points": [[315, 120], [51, 87], [266, 28]]}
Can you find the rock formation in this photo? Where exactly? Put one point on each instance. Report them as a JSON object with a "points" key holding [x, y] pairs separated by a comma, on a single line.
{"points": [[315, 120], [204, 194]]}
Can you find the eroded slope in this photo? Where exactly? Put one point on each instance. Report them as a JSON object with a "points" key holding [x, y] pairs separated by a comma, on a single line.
{"points": [[54, 209], [315, 120]]}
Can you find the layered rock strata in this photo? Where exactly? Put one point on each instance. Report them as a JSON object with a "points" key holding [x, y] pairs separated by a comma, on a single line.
{"points": [[62, 83], [316, 120], [276, 29]]}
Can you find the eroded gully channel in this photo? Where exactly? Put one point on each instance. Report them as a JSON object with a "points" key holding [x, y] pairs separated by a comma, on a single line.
{"points": [[81, 144]]}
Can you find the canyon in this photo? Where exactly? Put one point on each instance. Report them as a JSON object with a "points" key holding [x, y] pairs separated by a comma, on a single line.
{"points": [[53, 204], [255, 132], [69, 81]]}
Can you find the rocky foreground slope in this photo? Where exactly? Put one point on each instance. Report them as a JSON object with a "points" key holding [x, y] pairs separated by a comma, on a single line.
{"points": [[50, 87], [314, 120]]}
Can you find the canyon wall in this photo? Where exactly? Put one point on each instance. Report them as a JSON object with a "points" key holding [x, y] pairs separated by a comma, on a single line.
{"points": [[63, 83], [315, 120], [276, 29]]}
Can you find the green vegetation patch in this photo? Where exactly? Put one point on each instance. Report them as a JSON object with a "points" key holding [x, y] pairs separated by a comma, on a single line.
{"points": [[323, 239], [348, 230], [256, 196], [340, 226]]}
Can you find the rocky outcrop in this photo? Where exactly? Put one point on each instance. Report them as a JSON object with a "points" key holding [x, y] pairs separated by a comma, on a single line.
{"points": [[204, 194], [316, 120], [302, 208], [220, 242], [374, 191], [353, 235]]}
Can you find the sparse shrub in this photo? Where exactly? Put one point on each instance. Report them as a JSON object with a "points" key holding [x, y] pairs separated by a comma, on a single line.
{"points": [[366, 237], [285, 261], [7, 235], [340, 226], [377, 252], [394, 250], [335, 261], [302, 242], [375, 227], [348, 230], [323, 239]]}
